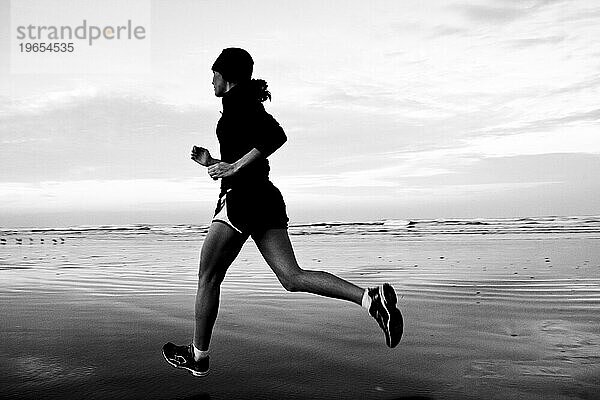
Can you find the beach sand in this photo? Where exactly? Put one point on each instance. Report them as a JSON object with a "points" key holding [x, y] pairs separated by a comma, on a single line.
{"points": [[486, 317]]}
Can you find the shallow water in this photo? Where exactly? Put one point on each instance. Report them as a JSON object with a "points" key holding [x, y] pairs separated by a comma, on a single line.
{"points": [[510, 314]]}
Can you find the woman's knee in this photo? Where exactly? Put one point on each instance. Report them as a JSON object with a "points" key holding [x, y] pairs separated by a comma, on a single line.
{"points": [[209, 274], [293, 282], [207, 281]]}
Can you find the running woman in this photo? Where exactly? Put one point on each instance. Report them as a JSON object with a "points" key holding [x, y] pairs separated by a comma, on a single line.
{"points": [[250, 205]]}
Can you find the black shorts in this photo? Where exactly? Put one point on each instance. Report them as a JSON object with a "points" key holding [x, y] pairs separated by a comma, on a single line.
{"points": [[252, 209]]}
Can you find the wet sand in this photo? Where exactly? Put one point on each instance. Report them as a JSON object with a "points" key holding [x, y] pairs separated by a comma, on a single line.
{"points": [[487, 316]]}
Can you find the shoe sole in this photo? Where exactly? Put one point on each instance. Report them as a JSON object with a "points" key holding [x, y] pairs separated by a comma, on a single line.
{"points": [[191, 371], [395, 323]]}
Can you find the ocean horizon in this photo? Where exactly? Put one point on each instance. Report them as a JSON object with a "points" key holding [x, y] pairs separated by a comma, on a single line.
{"points": [[482, 225]]}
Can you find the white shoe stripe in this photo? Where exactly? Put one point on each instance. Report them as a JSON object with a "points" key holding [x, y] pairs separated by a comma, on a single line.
{"points": [[389, 315]]}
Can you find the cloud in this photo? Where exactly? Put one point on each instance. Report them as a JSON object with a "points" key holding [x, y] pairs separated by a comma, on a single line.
{"points": [[490, 14], [408, 193], [448, 30], [380, 99], [460, 191], [21, 107], [574, 149], [102, 194], [366, 178], [566, 168], [498, 12], [587, 83], [406, 26], [590, 12], [536, 41], [572, 139], [561, 139], [576, 122], [71, 135]]}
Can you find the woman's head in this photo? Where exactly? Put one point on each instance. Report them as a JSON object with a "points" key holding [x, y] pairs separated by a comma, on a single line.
{"points": [[234, 66]]}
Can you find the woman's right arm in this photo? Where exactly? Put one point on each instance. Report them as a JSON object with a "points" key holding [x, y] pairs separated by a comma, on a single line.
{"points": [[202, 156]]}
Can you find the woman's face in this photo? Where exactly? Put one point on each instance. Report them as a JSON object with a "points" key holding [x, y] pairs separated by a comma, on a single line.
{"points": [[219, 84]]}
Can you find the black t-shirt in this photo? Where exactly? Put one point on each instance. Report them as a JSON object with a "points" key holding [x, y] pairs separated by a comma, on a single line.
{"points": [[244, 125]]}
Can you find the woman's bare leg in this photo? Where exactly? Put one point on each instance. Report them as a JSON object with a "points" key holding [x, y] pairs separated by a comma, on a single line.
{"points": [[220, 248], [276, 248]]}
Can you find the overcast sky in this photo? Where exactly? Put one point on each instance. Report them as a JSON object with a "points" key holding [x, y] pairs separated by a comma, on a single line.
{"points": [[393, 109]]}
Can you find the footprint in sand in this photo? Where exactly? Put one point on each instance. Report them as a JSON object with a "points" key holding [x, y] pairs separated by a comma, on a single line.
{"points": [[41, 371], [565, 351], [567, 342], [515, 370]]}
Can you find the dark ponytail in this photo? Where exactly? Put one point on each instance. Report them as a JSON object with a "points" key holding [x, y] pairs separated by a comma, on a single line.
{"points": [[259, 90]]}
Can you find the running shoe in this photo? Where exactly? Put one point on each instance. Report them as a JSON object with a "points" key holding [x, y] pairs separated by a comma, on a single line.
{"points": [[183, 357], [383, 309]]}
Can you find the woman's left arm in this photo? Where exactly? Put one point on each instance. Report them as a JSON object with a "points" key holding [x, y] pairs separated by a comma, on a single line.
{"points": [[223, 169], [269, 137]]}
